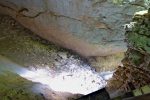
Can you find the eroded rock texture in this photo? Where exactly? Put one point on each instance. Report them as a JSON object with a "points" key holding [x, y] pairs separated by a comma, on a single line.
{"points": [[89, 27], [136, 64]]}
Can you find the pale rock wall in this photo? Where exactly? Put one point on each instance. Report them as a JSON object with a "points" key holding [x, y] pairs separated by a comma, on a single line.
{"points": [[89, 27]]}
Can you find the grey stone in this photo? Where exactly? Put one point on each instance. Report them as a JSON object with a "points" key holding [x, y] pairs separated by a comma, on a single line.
{"points": [[89, 27]]}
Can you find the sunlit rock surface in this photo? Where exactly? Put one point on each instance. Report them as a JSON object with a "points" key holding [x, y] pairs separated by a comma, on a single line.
{"points": [[13, 84], [89, 27], [73, 77]]}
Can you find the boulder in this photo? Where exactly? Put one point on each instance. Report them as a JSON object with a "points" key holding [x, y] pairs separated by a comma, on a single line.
{"points": [[88, 27]]}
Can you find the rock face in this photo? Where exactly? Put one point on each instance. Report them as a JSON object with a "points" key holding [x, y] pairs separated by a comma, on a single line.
{"points": [[136, 64], [89, 27], [138, 53]]}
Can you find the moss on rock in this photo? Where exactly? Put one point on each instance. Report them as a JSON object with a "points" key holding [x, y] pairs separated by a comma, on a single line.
{"points": [[136, 64], [139, 40], [14, 87]]}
